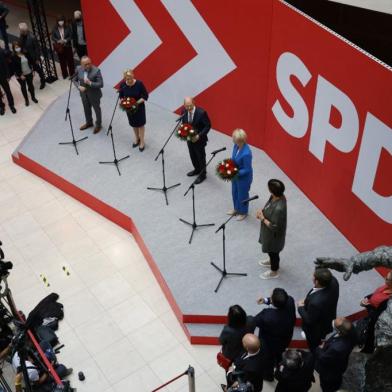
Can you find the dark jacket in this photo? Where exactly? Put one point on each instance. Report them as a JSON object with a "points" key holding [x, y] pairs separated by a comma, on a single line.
{"points": [[252, 369], [318, 312], [16, 62], [200, 123], [74, 28], [332, 359], [231, 339], [30, 46], [5, 68], [67, 35], [296, 380], [276, 327], [273, 237], [3, 12]]}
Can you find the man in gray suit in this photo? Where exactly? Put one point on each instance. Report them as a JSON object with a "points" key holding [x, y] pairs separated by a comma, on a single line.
{"points": [[88, 80]]}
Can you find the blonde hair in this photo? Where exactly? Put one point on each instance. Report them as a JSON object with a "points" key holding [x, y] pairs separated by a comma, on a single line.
{"points": [[127, 72], [239, 135]]}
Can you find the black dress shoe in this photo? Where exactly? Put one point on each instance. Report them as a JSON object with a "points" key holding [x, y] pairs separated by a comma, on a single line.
{"points": [[134, 145], [2, 111], [200, 180], [13, 110], [35, 100], [192, 173], [27, 103], [141, 149], [42, 86]]}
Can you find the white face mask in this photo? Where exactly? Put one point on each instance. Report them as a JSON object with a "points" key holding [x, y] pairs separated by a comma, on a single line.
{"points": [[61, 23], [18, 50]]}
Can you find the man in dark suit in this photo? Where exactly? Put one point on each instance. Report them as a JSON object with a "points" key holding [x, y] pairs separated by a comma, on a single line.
{"points": [[295, 372], [89, 81], [248, 367], [30, 47], [79, 35], [5, 74], [319, 307], [332, 356], [3, 24], [200, 122], [276, 326]]}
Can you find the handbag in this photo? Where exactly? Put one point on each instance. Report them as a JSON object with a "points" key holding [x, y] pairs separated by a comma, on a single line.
{"points": [[223, 361], [59, 48]]}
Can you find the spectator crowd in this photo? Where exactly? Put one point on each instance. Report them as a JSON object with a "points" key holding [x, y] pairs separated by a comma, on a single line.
{"points": [[22, 58], [255, 348]]}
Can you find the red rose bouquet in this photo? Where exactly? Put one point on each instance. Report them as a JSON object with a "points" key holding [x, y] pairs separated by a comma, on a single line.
{"points": [[128, 104], [227, 170], [185, 132]]}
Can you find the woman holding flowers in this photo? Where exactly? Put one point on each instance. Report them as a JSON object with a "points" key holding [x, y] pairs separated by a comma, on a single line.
{"points": [[133, 94], [240, 184]]}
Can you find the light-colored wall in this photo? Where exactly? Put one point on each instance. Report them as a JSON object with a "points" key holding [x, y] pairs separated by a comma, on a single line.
{"points": [[376, 5]]}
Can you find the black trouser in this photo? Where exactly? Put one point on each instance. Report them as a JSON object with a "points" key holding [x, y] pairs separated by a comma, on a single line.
{"points": [[37, 68], [6, 87], [25, 84], [275, 259], [3, 31], [66, 62], [330, 384], [197, 152], [81, 50]]}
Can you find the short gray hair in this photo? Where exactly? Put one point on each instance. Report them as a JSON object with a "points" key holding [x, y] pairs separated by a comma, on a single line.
{"points": [[240, 134], [77, 13], [23, 26]]}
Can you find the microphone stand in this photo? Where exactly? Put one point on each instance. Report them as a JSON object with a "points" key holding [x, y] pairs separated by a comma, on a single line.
{"points": [[193, 224], [74, 142], [161, 152], [115, 161], [223, 272]]}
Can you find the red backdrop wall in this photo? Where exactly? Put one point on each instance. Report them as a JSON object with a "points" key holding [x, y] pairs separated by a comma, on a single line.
{"points": [[255, 33]]}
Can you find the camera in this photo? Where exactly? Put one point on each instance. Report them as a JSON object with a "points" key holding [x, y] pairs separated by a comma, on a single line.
{"points": [[5, 266], [241, 387]]}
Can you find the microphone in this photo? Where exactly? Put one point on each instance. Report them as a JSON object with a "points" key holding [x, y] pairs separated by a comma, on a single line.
{"points": [[180, 118], [216, 151], [250, 199]]}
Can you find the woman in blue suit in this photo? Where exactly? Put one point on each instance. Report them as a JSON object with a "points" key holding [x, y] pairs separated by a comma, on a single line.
{"points": [[240, 186]]}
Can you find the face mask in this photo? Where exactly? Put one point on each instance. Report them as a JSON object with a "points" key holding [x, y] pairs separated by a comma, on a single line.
{"points": [[18, 50], [61, 23]]}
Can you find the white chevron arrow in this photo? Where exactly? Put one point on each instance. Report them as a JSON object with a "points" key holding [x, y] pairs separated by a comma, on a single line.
{"points": [[211, 63], [134, 48]]}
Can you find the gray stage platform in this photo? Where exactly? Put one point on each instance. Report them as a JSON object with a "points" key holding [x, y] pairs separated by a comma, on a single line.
{"points": [[186, 268]]}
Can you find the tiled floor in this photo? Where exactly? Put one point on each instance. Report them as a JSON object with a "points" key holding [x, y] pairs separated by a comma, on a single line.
{"points": [[118, 327]]}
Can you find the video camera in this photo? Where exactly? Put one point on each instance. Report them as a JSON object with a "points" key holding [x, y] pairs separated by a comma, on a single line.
{"points": [[5, 266], [240, 385]]}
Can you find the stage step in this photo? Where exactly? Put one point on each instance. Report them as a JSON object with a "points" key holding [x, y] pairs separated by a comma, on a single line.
{"points": [[209, 333]]}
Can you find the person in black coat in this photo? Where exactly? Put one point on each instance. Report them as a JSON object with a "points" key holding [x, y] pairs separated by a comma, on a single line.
{"points": [[23, 69], [295, 372], [5, 75], [249, 366], [3, 24], [238, 325], [319, 307], [30, 48], [200, 122], [276, 326], [61, 37], [79, 35], [333, 355], [133, 88]]}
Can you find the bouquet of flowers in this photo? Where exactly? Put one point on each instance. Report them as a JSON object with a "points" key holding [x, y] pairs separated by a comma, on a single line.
{"points": [[128, 104], [185, 132], [227, 170]]}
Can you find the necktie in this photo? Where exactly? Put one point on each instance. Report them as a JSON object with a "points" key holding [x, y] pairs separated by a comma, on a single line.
{"points": [[190, 117]]}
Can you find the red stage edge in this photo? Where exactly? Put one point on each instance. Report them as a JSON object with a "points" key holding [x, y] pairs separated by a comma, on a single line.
{"points": [[126, 223]]}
